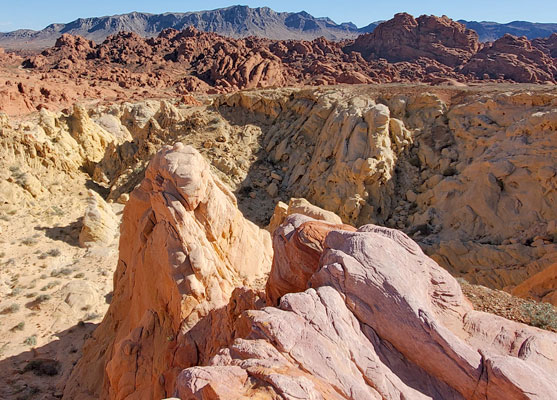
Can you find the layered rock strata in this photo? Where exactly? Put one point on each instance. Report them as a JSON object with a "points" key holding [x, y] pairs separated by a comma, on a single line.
{"points": [[185, 248], [367, 316]]}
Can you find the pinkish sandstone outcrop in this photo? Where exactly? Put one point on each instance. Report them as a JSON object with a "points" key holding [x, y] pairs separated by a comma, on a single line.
{"points": [[184, 249], [379, 320], [350, 313]]}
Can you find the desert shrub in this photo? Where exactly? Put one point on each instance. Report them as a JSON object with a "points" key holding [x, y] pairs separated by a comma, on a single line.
{"points": [[19, 327], [542, 315], [31, 340], [54, 253], [29, 241], [12, 308], [42, 298]]}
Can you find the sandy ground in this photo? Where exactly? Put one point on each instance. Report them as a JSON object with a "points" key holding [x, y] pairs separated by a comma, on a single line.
{"points": [[54, 292]]}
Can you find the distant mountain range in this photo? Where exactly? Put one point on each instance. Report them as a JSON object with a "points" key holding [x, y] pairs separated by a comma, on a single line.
{"points": [[490, 31], [235, 21]]}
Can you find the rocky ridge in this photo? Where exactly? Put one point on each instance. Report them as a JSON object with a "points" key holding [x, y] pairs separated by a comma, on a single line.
{"points": [[393, 156], [238, 21], [408, 157], [161, 339], [127, 66]]}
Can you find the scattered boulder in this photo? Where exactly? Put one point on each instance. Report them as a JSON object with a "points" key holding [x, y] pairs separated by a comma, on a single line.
{"points": [[100, 224], [300, 206]]}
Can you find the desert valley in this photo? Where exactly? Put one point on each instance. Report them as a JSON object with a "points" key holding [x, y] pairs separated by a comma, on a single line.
{"points": [[275, 206]]}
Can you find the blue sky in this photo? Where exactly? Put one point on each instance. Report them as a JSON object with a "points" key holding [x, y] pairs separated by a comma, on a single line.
{"points": [[36, 14]]}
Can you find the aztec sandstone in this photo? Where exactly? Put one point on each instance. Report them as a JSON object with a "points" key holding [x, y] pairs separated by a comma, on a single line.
{"points": [[277, 219]]}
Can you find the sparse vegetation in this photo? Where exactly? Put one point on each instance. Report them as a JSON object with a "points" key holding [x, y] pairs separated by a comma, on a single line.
{"points": [[19, 327], [54, 253], [92, 316], [30, 241], [31, 340], [57, 211], [50, 285], [18, 175], [12, 308], [79, 275], [542, 315], [43, 367], [62, 271], [42, 298]]}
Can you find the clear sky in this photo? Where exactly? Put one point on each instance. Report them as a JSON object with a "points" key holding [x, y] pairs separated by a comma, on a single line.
{"points": [[36, 14]]}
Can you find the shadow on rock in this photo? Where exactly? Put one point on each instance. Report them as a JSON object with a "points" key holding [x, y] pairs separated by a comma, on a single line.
{"points": [[68, 234], [42, 372]]}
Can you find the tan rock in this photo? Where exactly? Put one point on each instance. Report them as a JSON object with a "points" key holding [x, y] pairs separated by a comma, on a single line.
{"points": [[300, 206], [272, 189], [100, 225]]}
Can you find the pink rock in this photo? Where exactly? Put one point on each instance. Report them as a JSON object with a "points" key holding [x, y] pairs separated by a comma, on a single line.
{"points": [[382, 320]]}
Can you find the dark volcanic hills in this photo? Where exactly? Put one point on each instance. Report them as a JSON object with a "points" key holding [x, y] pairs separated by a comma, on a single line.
{"points": [[236, 22]]}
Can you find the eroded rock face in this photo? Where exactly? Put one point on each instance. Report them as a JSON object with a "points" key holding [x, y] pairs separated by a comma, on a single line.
{"points": [[514, 58], [541, 286], [100, 224], [184, 248], [300, 206], [381, 320], [405, 38], [471, 179], [351, 313]]}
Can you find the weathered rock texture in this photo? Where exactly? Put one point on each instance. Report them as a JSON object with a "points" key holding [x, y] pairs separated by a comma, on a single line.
{"points": [[100, 224], [542, 286], [381, 320], [361, 313], [184, 249], [471, 178], [300, 206], [405, 38], [467, 172]]}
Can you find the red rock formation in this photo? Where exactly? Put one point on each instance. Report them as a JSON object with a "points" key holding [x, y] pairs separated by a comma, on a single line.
{"points": [[407, 50], [547, 45], [512, 58], [404, 38], [297, 253]]}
